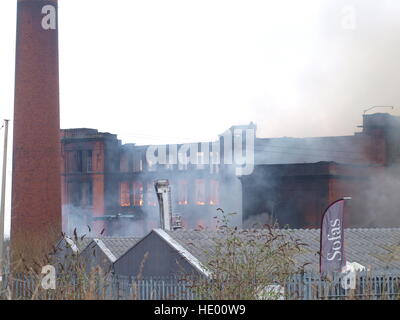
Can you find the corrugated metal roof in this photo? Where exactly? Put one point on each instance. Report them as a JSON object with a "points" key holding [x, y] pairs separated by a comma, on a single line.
{"points": [[373, 248]]}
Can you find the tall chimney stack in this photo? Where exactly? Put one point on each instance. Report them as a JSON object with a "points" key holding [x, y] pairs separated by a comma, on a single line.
{"points": [[36, 194]]}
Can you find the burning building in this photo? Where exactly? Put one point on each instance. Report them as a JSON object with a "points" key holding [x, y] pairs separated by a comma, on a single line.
{"points": [[89, 163], [110, 185], [296, 179]]}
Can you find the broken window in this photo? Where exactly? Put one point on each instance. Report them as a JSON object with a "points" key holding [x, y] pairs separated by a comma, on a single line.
{"points": [[200, 192], [71, 165], [214, 162], [78, 161], [183, 161], [125, 200], [138, 194], [85, 198], [182, 192], [137, 162], [89, 193], [89, 161], [124, 163], [76, 193], [68, 162], [200, 160], [214, 192]]}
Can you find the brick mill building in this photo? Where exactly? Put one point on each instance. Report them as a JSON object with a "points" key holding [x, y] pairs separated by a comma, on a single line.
{"points": [[109, 185], [106, 184]]}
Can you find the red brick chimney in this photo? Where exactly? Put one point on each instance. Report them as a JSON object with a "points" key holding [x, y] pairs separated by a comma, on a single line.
{"points": [[36, 194]]}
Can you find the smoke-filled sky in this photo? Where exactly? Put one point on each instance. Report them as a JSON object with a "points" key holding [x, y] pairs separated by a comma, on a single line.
{"points": [[159, 71], [181, 71]]}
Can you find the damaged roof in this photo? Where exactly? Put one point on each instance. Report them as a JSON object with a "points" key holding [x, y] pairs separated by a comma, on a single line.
{"points": [[346, 149]]}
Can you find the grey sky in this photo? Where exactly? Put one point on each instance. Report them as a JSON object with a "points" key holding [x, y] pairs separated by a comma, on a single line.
{"points": [[159, 71]]}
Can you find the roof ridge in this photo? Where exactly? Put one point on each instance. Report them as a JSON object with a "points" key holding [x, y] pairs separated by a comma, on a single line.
{"points": [[179, 247]]}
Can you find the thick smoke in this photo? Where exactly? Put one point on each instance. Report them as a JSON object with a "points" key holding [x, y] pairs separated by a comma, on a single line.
{"points": [[259, 221], [341, 71], [378, 202], [128, 227], [196, 216], [76, 219], [346, 70]]}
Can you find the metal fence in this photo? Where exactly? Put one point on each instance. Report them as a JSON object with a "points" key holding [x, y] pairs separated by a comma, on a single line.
{"points": [[307, 286], [154, 288], [362, 285], [112, 288]]}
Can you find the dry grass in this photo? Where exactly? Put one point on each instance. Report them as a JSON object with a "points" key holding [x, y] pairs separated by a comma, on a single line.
{"points": [[245, 263], [75, 278]]}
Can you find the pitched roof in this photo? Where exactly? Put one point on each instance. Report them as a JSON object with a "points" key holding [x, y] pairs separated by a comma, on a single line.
{"points": [[373, 248], [114, 247], [182, 251]]}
